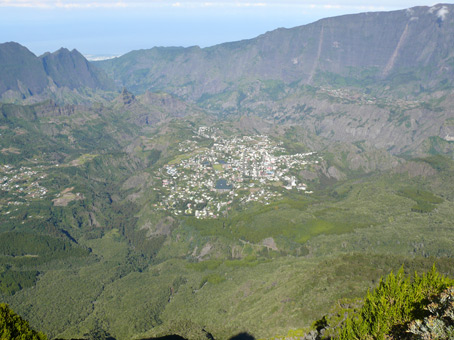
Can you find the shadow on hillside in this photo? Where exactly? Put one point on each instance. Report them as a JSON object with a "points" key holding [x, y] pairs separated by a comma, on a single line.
{"points": [[242, 336], [108, 338], [167, 337]]}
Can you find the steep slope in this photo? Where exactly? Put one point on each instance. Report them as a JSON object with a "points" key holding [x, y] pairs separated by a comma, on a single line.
{"points": [[415, 45], [71, 69], [24, 75], [20, 70]]}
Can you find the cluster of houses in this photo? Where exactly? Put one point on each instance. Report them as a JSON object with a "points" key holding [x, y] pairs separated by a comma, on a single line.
{"points": [[232, 171], [20, 184]]}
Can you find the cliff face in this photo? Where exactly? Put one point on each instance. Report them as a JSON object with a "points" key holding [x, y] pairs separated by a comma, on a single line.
{"points": [[20, 70], [416, 42], [22, 74], [71, 69]]}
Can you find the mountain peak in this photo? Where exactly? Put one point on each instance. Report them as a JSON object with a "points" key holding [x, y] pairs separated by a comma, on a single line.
{"points": [[20, 70], [14, 47], [23, 74], [62, 50]]}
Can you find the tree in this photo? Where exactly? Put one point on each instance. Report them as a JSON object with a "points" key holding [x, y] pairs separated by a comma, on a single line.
{"points": [[13, 327]]}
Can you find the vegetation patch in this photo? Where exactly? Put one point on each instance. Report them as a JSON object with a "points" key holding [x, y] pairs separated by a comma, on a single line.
{"points": [[12, 281], [393, 305], [24, 249], [213, 279], [82, 159], [425, 200], [13, 327]]}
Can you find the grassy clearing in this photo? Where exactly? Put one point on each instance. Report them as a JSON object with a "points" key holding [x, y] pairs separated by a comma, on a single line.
{"points": [[82, 159], [218, 167]]}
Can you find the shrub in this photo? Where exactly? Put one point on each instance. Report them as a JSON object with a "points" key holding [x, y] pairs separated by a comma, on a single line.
{"points": [[396, 302], [13, 327]]}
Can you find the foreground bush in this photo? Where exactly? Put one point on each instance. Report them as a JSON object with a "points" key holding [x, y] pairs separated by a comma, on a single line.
{"points": [[391, 310], [13, 327]]}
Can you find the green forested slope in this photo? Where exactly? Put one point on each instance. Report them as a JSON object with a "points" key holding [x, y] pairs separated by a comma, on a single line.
{"points": [[85, 249]]}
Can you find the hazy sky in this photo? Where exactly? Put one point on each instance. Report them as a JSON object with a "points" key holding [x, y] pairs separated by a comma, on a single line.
{"points": [[114, 27]]}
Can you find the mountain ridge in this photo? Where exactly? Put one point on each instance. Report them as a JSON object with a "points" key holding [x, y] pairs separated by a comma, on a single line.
{"points": [[373, 46], [24, 75]]}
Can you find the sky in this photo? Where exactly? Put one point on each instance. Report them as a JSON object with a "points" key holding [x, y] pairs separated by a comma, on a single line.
{"points": [[115, 27]]}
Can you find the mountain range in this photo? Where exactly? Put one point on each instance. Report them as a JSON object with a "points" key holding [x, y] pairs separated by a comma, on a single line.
{"points": [[414, 45], [405, 47], [399, 65]]}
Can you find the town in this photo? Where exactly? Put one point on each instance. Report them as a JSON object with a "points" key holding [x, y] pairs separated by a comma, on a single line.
{"points": [[20, 185], [209, 181]]}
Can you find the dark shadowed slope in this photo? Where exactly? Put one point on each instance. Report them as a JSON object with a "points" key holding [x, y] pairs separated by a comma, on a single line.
{"points": [[22, 74], [20, 70], [71, 69]]}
